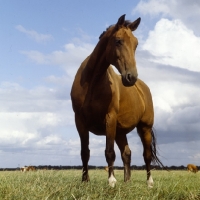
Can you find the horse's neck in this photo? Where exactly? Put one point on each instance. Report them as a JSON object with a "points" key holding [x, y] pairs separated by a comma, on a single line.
{"points": [[97, 65]]}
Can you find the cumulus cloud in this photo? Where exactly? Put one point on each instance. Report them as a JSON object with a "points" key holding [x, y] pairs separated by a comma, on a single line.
{"points": [[176, 9], [174, 44], [157, 7], [36, 115], [186, 11], [38, 37], [69, 58]]}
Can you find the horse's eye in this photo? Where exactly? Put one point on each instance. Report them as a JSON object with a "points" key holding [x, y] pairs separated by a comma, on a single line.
{"points": [[118, 42]]}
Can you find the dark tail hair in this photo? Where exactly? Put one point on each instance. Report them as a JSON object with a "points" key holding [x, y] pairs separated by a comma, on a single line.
{"points": [[154, 151]]}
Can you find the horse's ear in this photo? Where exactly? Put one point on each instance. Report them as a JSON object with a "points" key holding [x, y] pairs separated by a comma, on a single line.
{"points": [[133, 26], [121, 20]]}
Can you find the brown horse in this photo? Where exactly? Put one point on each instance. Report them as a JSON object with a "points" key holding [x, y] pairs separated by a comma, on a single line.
{"points": [[192, 168], [113, 105]]}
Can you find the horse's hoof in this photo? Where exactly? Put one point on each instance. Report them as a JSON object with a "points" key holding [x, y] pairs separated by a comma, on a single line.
{"points": [[85, 179], [150, 182], [112, 181]]}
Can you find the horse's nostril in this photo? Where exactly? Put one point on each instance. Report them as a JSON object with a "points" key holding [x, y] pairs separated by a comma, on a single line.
{"points": [[128, 77]]}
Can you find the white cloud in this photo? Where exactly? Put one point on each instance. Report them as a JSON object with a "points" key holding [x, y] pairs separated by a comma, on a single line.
{"points": [[38, 37], [152, 7], [186, 11], [28, 116], [15, 137], [69, 59], [173, 8], [173, 44]]}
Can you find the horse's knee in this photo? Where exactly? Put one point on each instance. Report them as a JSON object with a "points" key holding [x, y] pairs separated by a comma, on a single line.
{"points": [[110, 155], [126, 156]]}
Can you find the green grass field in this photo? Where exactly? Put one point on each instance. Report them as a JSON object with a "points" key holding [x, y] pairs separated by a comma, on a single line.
{"points": [[66, 184]]}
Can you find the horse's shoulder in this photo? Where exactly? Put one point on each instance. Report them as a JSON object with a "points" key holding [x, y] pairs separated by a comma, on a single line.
{"points": [[141, 84]]}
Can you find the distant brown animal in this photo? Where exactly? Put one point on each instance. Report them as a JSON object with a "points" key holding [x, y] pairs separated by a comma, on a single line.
{"points": [[106, 168], [192, 168], [29, 168], [107, 104]]}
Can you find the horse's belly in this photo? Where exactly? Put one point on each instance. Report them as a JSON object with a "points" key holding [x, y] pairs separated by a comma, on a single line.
{"points": [[128, 121], [97, 128]]}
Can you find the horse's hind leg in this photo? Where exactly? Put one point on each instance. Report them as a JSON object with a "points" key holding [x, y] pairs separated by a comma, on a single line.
{"points": [[122, 143], [85, 152], [146, 138]]}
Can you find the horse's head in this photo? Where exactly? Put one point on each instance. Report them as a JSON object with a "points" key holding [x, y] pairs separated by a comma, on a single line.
{"points": [[121, 47]]}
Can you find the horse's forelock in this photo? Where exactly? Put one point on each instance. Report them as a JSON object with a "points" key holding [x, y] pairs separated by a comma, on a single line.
{"points": [[126, 23]]}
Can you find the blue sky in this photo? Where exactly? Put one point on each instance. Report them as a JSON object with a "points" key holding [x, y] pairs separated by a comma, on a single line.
{"points": [[42, 46]]}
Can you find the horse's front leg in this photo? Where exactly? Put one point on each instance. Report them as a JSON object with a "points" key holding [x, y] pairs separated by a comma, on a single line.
{"points": [[122, 143], [109, 152], [85, 151], [146, 138]]}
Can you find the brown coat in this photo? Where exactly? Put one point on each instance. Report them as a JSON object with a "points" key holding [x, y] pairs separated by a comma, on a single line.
{"points": [[192, 168]]}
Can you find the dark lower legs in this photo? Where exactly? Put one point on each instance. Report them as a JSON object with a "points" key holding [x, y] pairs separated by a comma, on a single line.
{"points": [[110, 158], [122, 143], [146, 138], [85, 152], [85, 156]]}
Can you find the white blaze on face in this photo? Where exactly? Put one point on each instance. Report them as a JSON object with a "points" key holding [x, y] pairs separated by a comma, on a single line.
{"points": [[112, 181], [150, 182]]}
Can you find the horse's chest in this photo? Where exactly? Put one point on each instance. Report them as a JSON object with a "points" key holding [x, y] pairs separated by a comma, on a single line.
{"points": [[131, 110], [95, 109]]}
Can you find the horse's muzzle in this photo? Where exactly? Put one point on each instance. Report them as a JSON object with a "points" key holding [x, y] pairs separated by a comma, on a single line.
{"points": [[128, 79]]}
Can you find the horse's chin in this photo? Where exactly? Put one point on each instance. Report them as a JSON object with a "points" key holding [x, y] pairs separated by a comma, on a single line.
{"points": [[128, 83]]}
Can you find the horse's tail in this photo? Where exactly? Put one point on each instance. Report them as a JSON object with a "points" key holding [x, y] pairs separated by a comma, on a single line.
{"points": [[154, 151]]}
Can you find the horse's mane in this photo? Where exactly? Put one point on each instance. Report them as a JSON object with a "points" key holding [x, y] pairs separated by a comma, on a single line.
{"points": [[126, 23]]}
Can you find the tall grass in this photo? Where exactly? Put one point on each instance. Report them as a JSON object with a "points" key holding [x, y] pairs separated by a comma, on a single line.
{"points": [[66, 184]]}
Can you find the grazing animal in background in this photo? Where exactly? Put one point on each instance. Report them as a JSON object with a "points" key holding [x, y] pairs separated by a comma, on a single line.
{"points": [[106, 168], [109, 104], [29, 168], [23, 169], [192, 168]]}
